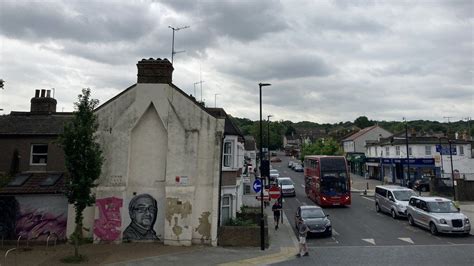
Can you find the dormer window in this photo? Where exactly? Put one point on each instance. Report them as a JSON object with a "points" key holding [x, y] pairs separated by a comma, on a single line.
{"points": [[39, 154]]}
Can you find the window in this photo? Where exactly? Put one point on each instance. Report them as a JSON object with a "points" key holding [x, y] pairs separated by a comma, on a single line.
{"points": [[247, 189], [19, 180], [226, 208], [39, 154], [427, 150], [51, 180], [409, 151], [397, 150], [461, 150], [228, 154], [387, 151]]}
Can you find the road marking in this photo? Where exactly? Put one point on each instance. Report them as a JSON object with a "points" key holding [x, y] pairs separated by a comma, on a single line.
{"points": [[298, 200], [406, 239], [368, 198], [334, 232], [370, 240], [302, 185], [337, 242]]}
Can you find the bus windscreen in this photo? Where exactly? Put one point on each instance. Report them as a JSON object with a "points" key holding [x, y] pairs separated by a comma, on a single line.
{"points": [[333, 183]]}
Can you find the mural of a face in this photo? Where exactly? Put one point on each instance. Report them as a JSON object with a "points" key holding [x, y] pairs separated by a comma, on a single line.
{"points": [[143, 210]]}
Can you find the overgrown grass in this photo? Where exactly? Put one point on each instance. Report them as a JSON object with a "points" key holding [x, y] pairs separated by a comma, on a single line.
{"points": [[74, 260]]}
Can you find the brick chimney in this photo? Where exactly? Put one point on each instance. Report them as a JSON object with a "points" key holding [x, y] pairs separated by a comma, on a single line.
{"points": [[154, 71], [42, 102]]}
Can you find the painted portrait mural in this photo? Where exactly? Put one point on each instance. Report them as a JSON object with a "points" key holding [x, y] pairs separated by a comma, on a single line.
{"points": [[143, 210]]}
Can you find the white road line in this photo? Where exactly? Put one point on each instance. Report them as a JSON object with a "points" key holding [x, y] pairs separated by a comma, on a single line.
{"points": [[334, 232], [298, 200], [406, 239], [337, 242], [302, 185], [370, 240], [368, 199]]}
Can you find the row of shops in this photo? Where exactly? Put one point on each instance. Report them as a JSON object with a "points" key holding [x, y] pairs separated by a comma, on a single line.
{"points": [[392, 170]]}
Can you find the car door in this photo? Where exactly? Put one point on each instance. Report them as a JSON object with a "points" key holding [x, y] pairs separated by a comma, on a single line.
{"points": [[416, 211], [388, 202], [424, 214]]}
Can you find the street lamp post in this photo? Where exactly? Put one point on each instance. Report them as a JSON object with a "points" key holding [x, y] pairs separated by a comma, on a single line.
{"points": [[262, 232], [268, 136], [408, 152], [452, 168]]}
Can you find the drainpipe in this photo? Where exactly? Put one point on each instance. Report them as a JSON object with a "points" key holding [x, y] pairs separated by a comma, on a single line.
{"points": [[220, 188]]}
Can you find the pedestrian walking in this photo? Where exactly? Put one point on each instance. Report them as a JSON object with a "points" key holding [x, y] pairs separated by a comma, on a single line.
{"points": [[303, 232], [276, 208]]}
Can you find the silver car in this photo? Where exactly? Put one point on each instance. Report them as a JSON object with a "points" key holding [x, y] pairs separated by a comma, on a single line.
{"points": [[393, 199], [439, 215], [315, 219]]}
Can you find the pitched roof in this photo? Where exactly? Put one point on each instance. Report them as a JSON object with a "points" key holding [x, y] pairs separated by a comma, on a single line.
{"points": [[36, 183], [230, 128], [360, 133], [27, 123]]}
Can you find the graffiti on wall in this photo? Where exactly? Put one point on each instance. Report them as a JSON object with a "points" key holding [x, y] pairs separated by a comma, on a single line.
{"points": [[107, 226], [143, 211], [33, 217]]}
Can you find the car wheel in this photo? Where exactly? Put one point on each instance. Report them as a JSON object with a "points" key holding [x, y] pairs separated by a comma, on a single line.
{"points": [[411, 221], [394, 214], [433, 229], [377, 208], [423, 189]]}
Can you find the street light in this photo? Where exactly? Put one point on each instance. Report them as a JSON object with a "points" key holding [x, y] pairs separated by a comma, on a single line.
{"points": [[262, 232], [408, 153], [268, 136]]}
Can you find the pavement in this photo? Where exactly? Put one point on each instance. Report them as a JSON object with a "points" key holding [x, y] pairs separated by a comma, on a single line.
{"points": [[283, 246], [366, 187]]}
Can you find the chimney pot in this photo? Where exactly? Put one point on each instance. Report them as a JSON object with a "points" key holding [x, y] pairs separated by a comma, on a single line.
{"points": [[37, 93], [42, 93], [42, 104], [48, 93]]}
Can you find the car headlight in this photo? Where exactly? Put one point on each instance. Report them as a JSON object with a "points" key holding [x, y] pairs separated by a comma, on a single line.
{"points": [[466, 221], [443, 221], [328, 223]]}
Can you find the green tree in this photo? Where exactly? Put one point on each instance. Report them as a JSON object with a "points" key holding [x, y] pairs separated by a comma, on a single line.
{"points": [[83, 157], [363, 122], [321, 147]]}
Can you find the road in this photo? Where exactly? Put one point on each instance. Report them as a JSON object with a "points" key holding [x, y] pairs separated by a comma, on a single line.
{"points": [[362, 236]]}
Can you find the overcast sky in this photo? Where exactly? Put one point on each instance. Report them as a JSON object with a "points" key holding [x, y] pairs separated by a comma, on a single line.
{"points": [[327, 61]]}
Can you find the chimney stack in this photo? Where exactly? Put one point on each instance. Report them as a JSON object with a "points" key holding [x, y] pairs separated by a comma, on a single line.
{"points": [[43, 103], [155, 71]]}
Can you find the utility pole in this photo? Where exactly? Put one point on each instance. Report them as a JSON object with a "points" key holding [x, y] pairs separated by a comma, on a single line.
{"points": [[451, 155], [2, 84], [173, 52], [408, 151]]}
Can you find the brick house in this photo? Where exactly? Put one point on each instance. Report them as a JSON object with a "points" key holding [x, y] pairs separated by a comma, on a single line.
{"points": [[32, 203]]}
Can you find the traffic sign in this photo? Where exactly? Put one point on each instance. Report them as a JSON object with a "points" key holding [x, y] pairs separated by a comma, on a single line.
{"points": [[274, 192], [257, 185]]}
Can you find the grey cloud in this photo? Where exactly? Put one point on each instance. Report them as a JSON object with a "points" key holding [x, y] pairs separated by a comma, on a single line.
{"points": [[91, 22], [240, 20], [285, 66]]}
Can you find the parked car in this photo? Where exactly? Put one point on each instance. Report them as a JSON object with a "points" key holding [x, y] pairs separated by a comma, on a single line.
{"points": [[298, 168], [422, 184], [290, 164], [274, 174], [439, 215], [287, 186], [393, 199], [315, 218], [275, 160]]}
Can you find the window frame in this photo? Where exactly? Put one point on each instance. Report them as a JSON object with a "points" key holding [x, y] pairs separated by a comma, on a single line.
{"points": [[428, 150], [397, 150], [224, 206], [228, 155], [461, 150], [32, 154], [387, 151]]}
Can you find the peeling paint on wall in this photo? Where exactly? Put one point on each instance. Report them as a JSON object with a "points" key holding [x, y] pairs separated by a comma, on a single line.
{"points": [[177, 230], [204, 227], [107, 226], [176, 207]]}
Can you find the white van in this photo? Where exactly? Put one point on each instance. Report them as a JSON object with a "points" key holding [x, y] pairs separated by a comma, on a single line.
{"points": [[393, 199]]}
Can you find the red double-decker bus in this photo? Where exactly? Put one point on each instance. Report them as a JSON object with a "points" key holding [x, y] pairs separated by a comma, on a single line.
{"points": [[327, 180]]}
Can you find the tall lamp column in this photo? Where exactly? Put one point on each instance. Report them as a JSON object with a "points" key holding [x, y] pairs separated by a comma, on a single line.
{"points": [[262, 223]]}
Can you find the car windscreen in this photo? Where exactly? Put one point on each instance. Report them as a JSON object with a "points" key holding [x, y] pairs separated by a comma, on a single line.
{"points": [[285, 182], [403, 195], [442, 207], [332, 184], [312, 213], [273, 171]]}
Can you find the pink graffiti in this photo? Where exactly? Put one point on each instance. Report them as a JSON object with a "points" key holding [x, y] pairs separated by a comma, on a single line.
{"points": [[38, 225], [107, 227]]}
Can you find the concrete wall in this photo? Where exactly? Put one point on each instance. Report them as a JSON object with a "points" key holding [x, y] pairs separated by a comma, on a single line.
{"points": [[156, 141]]}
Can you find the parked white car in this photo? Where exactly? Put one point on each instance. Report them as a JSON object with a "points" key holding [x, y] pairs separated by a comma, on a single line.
{"points": [[439, 215], [274, 174]]}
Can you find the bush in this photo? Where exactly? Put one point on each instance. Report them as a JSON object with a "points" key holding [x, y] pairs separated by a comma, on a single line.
{"points": [[239, 222]]}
